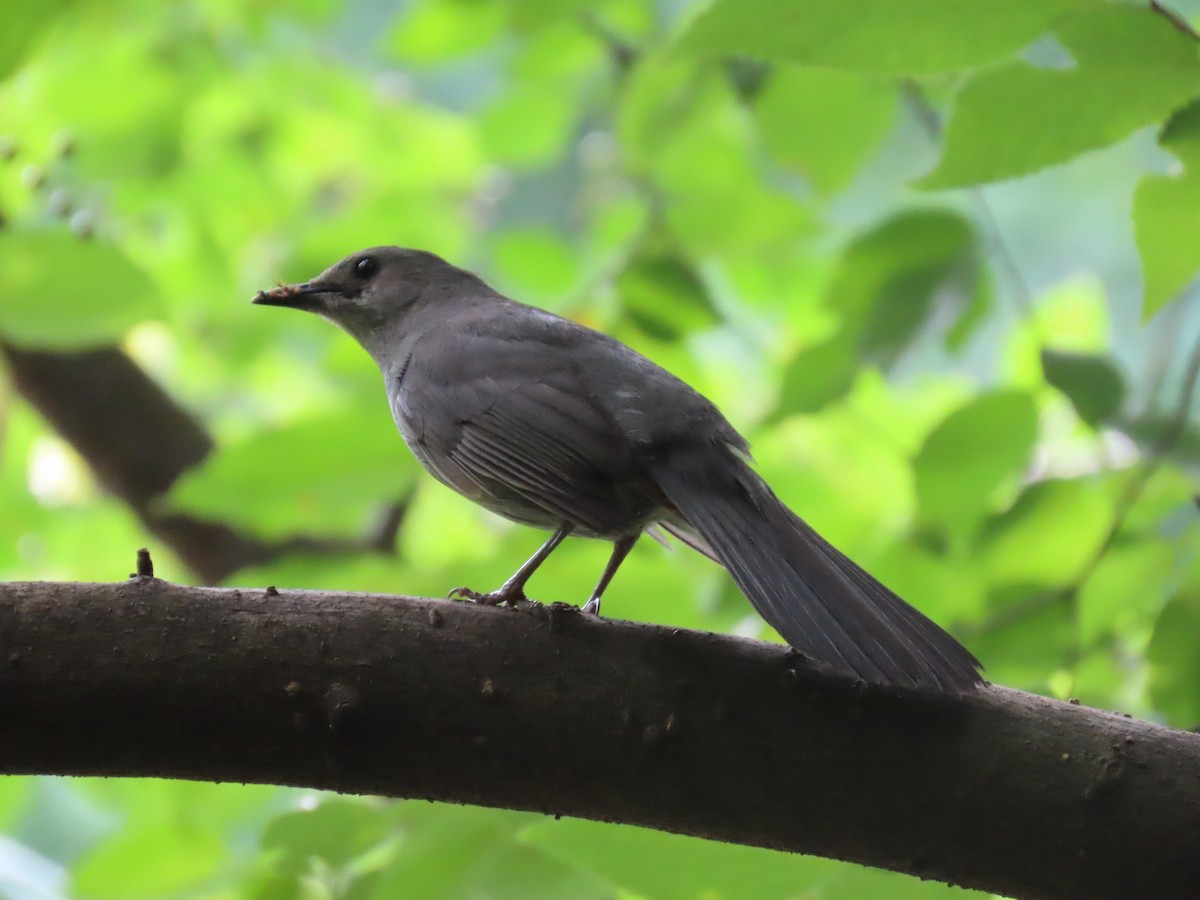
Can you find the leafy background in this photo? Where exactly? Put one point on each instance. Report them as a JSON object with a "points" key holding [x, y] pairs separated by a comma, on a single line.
{"points": [[933, 258]]}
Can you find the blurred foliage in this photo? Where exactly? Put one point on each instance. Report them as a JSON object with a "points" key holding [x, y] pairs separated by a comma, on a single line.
{"points": [[794, 207]]}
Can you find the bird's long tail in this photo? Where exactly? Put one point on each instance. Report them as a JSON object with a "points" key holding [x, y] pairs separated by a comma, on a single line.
{"points": [[820, 601]]}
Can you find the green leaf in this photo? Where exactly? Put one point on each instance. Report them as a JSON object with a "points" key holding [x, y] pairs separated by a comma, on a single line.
{"points": [[537, 263], [1126, 590], [884, 289], [859, 882], [325, 475], [664, 297], [672, 867], [63, 292], [1048, 535], [1073, 314], [824, 123], [14, 795], [887, 278], [1166, 226], [895, 37], [1036, 641], [461, 851], [657, 97], [1132, 67], [817, 376], [24, 25], [336, 832], [1174, 662], [529, 124], [532, 121], [435, 31], [1093, 384], [71, 83], [682, 126], [973, 313], [532, 14], [970, 454], [149, 861]]}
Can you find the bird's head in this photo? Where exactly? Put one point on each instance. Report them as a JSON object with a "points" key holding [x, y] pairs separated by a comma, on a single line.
{"points": [[373, 293]]}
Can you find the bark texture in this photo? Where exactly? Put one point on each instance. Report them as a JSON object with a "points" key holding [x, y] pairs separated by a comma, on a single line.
{"points": [[544, 709]]}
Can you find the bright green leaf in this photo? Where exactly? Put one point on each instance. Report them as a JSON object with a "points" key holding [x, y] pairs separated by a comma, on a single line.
{"points": [[434, 31], [449, 852], [24, 25], [1132, 68], [538, 264], [1093, 384], [1048, 535], [149, 862], [531, 14], [326, 475], [824, 123], [1167, 493], [1126, 589], [657, 97], [1174, 662], [859, 882], [14, 794], [529, 124], [1035, 642], [1165, 224], [974, 450], [817, 376], [63, 292], [896, 37], [683, 126], [1164, 216], [70, 85], [672, 867], [335, 832]]}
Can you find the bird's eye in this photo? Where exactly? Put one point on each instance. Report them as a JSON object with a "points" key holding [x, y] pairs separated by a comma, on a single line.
{"points": [[366, 267]]}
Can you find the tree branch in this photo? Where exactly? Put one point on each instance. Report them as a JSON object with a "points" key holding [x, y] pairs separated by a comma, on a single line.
{"points": [[544, 709], [138, 440]]}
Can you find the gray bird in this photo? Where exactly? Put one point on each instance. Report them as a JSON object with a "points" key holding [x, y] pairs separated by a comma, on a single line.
{"points": [[554, 425]]}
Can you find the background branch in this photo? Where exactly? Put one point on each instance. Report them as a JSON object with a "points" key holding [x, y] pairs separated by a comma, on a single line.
{"points": [[138, 440], [543, 709]]}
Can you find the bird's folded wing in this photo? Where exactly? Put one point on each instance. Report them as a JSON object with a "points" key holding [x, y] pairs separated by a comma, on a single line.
{"points": [[551, 447]]}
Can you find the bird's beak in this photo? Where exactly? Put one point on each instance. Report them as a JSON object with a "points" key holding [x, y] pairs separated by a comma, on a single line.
{"points": [[309, 296]]}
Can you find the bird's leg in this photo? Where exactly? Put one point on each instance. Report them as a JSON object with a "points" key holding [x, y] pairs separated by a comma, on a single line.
{"points": [[621, 548], [513, 590]]}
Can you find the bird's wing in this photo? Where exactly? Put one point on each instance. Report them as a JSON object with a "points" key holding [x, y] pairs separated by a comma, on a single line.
{"points": [[551, 447]]}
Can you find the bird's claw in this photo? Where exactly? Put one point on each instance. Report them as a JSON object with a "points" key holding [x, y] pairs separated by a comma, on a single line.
{"points": [[494, 598]]}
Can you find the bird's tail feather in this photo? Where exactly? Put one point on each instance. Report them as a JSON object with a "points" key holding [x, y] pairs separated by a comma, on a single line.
{"points": [[820, 601]]}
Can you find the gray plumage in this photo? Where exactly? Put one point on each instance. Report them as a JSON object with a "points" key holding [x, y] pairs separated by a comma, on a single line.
{"points": [[555, 425]]}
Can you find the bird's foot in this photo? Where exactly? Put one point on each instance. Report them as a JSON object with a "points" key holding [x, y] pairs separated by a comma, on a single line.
{"points": [[501, 597], [591, 608]]}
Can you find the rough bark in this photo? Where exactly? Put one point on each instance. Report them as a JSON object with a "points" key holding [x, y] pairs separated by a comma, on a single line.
{"points": [[138, 441], [544, 709]]}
